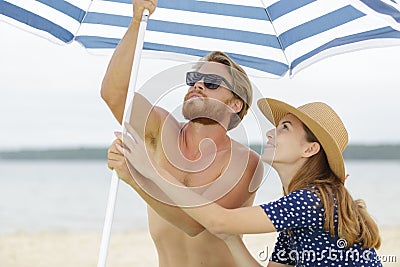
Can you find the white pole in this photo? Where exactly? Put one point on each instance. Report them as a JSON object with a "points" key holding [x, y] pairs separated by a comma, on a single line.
{"points": [[112, 195]]}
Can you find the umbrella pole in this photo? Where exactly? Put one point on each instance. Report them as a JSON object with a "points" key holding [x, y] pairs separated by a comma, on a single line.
{"points": [[112, 195]]}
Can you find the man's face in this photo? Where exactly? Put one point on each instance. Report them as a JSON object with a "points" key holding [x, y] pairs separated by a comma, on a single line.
{"points": [[209, 106]]}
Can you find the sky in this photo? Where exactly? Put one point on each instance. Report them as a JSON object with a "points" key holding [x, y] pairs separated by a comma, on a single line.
{"points": [[50, 94]]}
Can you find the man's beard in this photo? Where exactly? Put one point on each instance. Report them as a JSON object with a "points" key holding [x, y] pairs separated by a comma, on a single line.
{"points": [[205, 110]]}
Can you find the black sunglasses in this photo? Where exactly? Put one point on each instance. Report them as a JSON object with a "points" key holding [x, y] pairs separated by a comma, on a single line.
{"points": [[211, 81]]}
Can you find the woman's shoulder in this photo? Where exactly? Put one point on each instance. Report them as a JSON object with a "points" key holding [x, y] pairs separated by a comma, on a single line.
{"points": [[302, 199], [304, 195]]}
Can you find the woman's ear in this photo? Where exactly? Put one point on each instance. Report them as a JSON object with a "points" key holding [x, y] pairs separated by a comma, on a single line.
{"points": [[312, 149]]}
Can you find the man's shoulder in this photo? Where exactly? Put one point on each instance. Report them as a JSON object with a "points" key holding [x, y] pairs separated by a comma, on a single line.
{"points": [[250, 163], [244, 150], [246, 161]]}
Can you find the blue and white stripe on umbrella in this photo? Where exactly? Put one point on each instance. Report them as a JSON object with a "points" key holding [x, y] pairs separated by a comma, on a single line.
{"points": [[57, 21], [192, 28], [312, 30], [265, 36]]}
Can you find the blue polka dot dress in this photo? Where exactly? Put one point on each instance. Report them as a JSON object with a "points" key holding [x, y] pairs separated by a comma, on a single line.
{"points": [[307, 243]]}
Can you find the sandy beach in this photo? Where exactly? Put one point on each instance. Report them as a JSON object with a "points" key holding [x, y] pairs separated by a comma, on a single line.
{"points": [[80, 249]]}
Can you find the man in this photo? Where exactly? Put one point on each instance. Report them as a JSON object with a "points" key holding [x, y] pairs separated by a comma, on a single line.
{"points": [[218, 97]]}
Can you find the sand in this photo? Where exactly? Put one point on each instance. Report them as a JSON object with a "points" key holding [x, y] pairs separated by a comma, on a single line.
{"points": [[80, 249]]}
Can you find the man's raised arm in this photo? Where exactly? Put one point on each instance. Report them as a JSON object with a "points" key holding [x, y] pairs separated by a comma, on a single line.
{"points": [[115, 83], [114, 91]]}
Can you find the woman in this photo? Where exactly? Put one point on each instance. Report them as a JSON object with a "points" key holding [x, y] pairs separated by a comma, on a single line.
{"points": [[319, 223]]}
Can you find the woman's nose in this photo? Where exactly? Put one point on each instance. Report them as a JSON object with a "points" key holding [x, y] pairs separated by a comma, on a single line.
{"points": [[270, 133]]}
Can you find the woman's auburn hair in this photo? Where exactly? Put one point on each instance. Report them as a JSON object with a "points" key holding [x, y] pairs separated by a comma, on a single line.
{"points": [[355, 225]]}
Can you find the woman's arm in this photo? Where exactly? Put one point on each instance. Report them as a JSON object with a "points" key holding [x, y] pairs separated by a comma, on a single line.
{"points": [[240, 254], [275, 264]]}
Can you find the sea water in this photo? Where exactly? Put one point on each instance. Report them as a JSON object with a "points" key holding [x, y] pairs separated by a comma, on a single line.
{"points": [[69, 195]]}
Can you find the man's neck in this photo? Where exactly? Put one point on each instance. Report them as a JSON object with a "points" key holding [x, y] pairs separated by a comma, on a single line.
{"points": [[194, 134]]}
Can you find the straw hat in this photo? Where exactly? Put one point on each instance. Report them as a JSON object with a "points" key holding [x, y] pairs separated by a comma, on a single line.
{"points": [[323, 122]]}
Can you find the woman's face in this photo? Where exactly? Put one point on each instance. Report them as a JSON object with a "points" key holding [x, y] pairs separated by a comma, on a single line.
{"points": [[286, 144]]}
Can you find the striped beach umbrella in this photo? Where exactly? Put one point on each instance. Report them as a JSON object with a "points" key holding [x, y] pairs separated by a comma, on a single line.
{"points": [[269, 37]]}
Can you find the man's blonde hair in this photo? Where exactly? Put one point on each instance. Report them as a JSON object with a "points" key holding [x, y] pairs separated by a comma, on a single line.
{"points": [[241, 84]]}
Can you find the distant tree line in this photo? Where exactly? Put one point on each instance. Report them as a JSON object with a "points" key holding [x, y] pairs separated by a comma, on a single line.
{"points": [[384, 152], [57, 154]]}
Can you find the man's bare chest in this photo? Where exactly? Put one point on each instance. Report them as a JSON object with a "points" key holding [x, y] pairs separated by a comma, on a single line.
{"points": [[193, 173]]}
